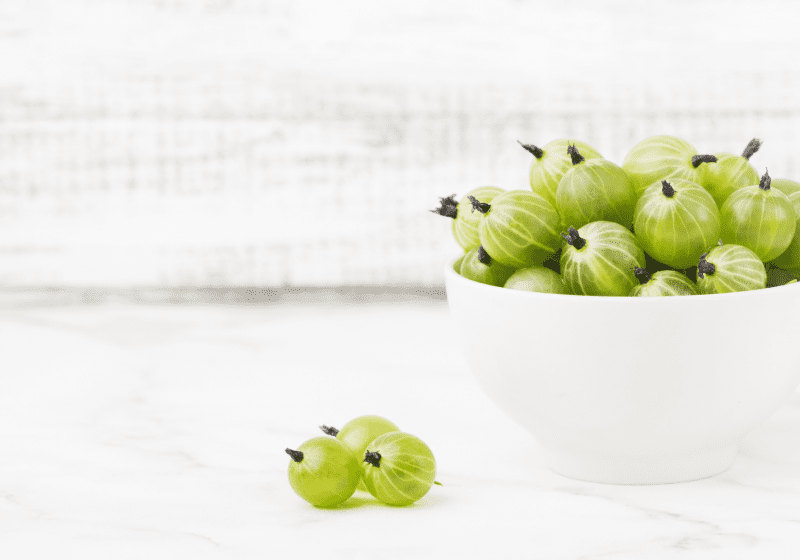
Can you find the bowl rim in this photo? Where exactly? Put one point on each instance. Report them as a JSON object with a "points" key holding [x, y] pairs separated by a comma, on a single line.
{"points": [[452, 276]]}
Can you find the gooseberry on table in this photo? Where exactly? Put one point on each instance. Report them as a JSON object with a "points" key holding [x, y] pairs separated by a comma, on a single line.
{"points": [[760, 218], [676, 221], [599, 259], [537, 279], [518, 229], [398, 468], [465, 221], [731, 172], [730, 268], [593, 190], [323, 471], [551, 162], [663, 283], [480, 267]]}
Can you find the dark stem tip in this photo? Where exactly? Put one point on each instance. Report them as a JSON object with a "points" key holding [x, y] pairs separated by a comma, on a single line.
{"points": [[641, 274], [704, 158], [574, 238], [373, 458], [329, 430], [752, 147], [483, 256], [766, 181], [575, 154], [667, 189], [481, 207], [296, 456], [704, 267], [535, 150], [448, 207]]}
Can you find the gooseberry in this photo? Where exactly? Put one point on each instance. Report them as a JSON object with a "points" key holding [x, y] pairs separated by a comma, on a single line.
{"points": [[519, 228], [676, 221], [537, 279], [663, 283], [551, 162], [760, 218], [786, 186], [663, 157], [480, 267], [323, 471], [465, 221], [730, 268], [730, 172], [398, 468], [594, 190], [599, 258], [457, 263]]}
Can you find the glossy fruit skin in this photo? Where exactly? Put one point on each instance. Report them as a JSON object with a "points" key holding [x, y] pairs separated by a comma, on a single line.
{"points": [[465, 224], [595, 190], [604, 266], [676, 230], [738, 269], [790, 258], [537, 279], [786, 186], [761, 220], [328, 473], [728, 174], [407, 469], [493, 274], [520, 229], [457, 263], [661, 157], [360, 432], [666, 283], [546, 172]]}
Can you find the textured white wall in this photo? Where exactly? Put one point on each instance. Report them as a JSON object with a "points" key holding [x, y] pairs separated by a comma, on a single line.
{"points": [[302, 143]]}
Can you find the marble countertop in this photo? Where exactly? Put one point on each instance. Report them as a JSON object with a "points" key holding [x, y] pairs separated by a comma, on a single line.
{"points": [[158, 431]]}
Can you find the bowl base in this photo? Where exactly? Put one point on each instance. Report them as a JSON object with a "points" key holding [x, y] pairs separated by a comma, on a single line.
{"points": [[662, 467]]}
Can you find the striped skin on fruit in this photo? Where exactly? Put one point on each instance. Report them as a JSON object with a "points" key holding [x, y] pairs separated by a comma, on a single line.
{"points": [[551, 162], [537, 279], [730, 173], [323, 471], [730, 268], [599, 260], [676, 221], [790, 258], [465, 221], [480, 267], [663, 283], [398, 468]]}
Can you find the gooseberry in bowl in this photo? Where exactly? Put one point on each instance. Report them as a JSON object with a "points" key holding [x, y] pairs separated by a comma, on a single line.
{"points": [[632, 390]]}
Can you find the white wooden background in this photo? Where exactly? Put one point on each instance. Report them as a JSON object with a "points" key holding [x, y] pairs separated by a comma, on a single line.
{"points": [[266, 143]]}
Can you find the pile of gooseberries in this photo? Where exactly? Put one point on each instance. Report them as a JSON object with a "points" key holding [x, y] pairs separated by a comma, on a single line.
{"points": [[369, 453], [668, 222]]}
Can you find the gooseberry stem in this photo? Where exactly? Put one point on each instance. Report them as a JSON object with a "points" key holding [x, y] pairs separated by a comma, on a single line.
{"points": [[448, 207], [704, 267], [481, 207], [752, 147], [573, 238], [535, 150], [329, 430], [766, 181], [706, 158], [483, 256], [641, 274], [575, 154], [296, 456], [373, 458], [667, 189]]}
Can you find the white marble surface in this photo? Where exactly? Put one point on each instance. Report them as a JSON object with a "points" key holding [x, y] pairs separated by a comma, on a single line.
{"points": [[132, 431]]}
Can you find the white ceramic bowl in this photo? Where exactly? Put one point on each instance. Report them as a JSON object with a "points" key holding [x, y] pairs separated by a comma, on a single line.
{"points": [[637, 390]]}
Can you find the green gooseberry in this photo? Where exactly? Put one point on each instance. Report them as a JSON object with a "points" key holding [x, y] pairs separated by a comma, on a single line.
{"points": [[398, 468], [465, 221], [519, 228], [676, 221], [760, 218], [594, 190], [790, 258], [599, 258], [664, 157], [786, 186], [730, 172], [480, 267], [359, 432], [730, 268], [663, 283], [323, 471], [537, 279], [457, 263], [778, 276], [551, 162]]}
